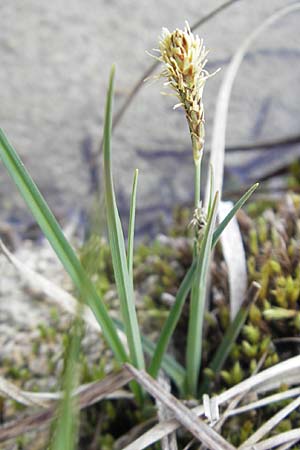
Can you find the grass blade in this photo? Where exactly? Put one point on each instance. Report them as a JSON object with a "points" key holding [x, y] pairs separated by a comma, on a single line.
{"points": [[197, 306], [211, 188], [172, 368], [175, 312], [66, 425], [56, 238], [131, 225], [231, 334], [117, 244], [171, 322], [238, 205]]}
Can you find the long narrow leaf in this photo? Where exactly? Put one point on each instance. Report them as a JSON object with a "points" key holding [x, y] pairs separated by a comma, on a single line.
{"points": [[171, 322], [231, 334], [66, 425], [117, 244], [131, 224], [172, 368], [175, 312], [197, 306], [211, 188], [56, 238], [238, 205]]}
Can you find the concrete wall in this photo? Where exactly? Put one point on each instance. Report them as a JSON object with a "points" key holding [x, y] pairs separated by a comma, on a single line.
{"points": [[55, 62]]}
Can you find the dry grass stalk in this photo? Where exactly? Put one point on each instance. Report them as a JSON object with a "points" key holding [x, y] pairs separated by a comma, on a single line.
{"points": [[90, 395], [264, 402], [184, 416], [285, 372], [163, 413], [235, 258], [270, 424], [290, 444], [287, 437], [44, 399], [9, 390], [235, 401], [134, 433]]}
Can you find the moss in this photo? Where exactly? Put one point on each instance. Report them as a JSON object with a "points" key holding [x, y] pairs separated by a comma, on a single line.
{"points": [[273, 257], [272, 245]]}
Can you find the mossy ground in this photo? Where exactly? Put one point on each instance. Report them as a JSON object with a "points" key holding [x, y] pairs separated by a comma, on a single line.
{"points": [[272, 241]]}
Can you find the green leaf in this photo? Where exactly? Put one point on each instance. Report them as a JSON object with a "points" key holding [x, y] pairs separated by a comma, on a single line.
{"points": [[65, 432], [238, 205], [211, 188], [171, 322], [197, 306], [231, 334], [175, 312], [117, 244], [131, 224], [172, 368], [66, 254], [63, 249]]}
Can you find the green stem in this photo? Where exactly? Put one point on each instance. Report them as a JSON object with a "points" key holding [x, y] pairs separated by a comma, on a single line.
{"points": [[131, 225], [197, 304], [197, 197], [197, 182], [171, 322]]}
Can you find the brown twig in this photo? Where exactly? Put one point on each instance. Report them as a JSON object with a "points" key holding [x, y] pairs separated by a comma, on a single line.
{"points": [[89, 396]]}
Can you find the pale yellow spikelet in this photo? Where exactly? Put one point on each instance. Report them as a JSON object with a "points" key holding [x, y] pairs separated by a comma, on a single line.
{"points": [[184, 56]]}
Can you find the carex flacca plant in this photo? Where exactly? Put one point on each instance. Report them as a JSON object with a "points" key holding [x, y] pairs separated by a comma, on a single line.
{"points": [[183, 56], [184, 59]]}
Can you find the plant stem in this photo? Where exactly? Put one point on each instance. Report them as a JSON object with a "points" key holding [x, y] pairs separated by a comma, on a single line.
{"points": [[197, 304], [197, 182], [197, 196]]}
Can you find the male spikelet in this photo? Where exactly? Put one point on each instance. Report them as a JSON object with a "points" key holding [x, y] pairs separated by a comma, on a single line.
{"points": [[184, 57]]}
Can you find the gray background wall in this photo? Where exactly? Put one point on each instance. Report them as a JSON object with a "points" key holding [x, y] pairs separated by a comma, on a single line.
{"points": [[55, 62]]}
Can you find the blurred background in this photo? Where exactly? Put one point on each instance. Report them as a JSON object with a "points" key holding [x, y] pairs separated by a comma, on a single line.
{"points": [[55, 62]]}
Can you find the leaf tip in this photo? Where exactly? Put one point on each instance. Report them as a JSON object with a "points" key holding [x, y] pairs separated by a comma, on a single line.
{"points": [[113, 70]]}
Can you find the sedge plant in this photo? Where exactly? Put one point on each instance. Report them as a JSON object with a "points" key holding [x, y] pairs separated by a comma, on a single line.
{"points": [[184, 59]]}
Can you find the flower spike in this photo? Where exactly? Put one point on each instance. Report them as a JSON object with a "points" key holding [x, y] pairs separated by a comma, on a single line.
{"points": [[184, 57]]}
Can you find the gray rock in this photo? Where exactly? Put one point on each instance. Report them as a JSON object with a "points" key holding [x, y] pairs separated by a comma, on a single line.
{"points": [[55, 62]]}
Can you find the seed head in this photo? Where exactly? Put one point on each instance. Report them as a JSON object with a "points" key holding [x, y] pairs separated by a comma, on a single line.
{"points": [[184, 57]]}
